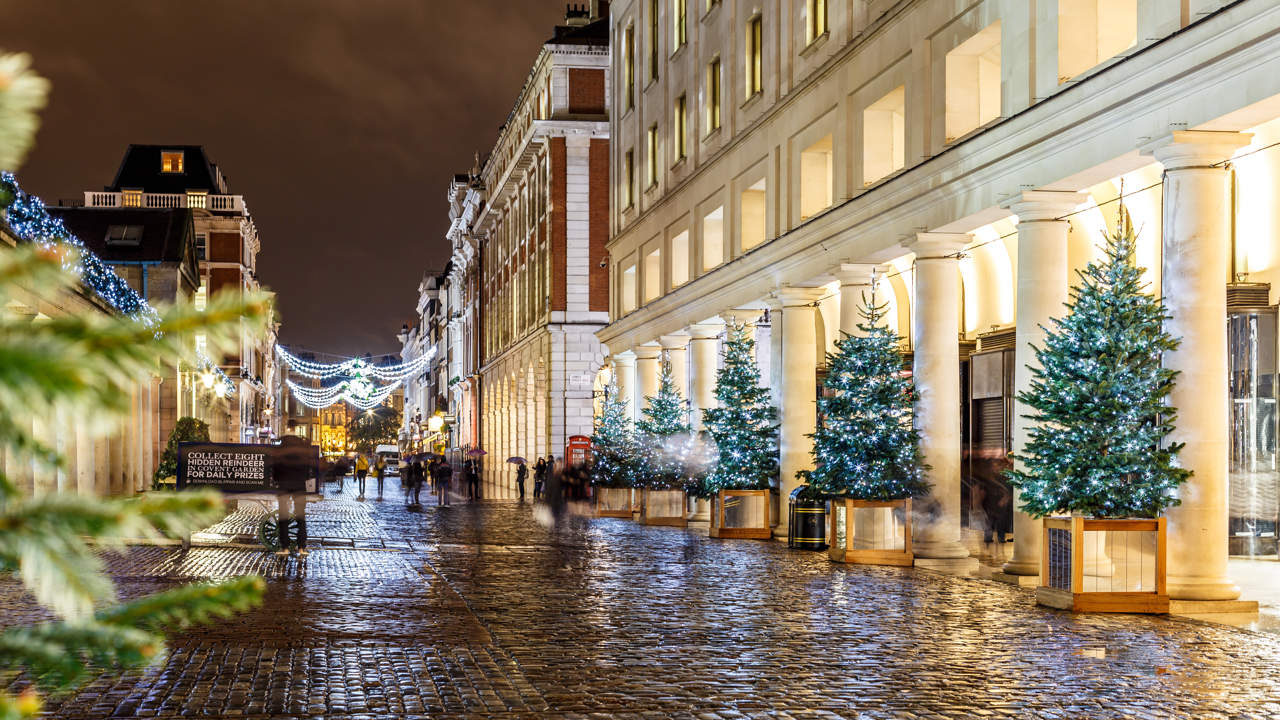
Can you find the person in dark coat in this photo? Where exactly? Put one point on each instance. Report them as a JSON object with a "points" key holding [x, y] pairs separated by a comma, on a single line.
{"points": [[444, 473], [292, 467], [522, 472]]}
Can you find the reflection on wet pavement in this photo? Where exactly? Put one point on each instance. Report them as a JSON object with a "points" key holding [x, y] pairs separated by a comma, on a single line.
{"points": [[477, 611]]}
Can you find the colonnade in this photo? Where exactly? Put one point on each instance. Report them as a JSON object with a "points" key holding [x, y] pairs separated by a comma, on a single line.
{"points": [[1194, 272]]}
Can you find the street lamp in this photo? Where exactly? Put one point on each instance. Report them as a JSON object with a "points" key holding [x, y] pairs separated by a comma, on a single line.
{"points": [[435, 423], [207, 379]]}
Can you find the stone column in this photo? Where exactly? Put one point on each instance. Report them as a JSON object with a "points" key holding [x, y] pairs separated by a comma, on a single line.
{"points": [[646, 375], [935, 321], [746, 317], [676, 347], [44, 477], [624, 369], [1041, 296], [855, 284], [1197, 240], [705, 347], [799, 391], [86, 464]]}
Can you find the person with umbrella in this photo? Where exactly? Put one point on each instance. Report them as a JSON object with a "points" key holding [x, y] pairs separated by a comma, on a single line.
{"points": [[522, 472]]}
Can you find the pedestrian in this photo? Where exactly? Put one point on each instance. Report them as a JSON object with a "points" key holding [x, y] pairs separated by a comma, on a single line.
{"points": [[473, 481], [539, 477], [413, 481], [522, 471], [380, 472], [295, 464], [444, 473], [362, 472], [343, 467]]}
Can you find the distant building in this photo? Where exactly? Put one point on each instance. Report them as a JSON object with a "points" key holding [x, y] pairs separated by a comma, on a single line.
{"points": [[164, 177], [426, 394], [155, 252], [529, 278]]}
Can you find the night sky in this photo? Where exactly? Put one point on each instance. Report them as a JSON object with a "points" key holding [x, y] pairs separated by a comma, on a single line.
{"points": [[340, 121]]}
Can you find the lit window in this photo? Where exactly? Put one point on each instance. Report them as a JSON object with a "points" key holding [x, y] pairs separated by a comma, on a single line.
{"points": [[713, 238], [198, 199], [713, 95], [817, 22], [124, 235], [678, 127], [973, 82], [628, 179], [653, 275], [653, 39], [752, 218], [651, 148], [171, 161], [680, 27], [131, 198], [629, 65], [1093, 31], [884, 136], [755, 55]]}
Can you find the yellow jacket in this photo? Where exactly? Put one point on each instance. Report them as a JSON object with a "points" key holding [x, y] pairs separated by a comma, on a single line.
{"points": [[362, 463]]}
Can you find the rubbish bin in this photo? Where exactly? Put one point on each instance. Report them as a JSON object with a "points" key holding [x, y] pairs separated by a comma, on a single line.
{"points": [[807, 526]]}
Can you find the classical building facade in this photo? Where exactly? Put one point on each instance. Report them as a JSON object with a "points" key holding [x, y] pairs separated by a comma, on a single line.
{"points": [[531, 224], [773, 155], [426, 393], [156, 177]]}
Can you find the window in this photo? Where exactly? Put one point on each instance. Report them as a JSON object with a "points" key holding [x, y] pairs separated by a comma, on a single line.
{"points": [[816, 178], [713, 95], [884, 136], [680, 259], [973, 82], [202, 246], [755, 59], [713, 238], [653, 275], [680, 33], [628, 179], [751, 216], [651, 151], [1092, 31], [653, 39], [124, 235], [679, 125], [816, 26], [171, 161], [131, 198], [629, 65], [627, 289]]}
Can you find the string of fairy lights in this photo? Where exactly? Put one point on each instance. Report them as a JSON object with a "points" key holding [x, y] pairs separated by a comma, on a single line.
{"points": [[354, 380], [30, 220]]}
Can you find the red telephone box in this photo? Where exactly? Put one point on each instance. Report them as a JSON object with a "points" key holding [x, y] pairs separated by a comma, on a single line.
{"points": [[578, 450]]}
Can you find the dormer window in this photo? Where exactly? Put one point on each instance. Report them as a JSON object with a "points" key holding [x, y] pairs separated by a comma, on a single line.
{"points": [[124, 235], [171, 161]]}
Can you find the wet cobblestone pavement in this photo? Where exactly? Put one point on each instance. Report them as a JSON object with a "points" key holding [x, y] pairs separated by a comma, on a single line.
{"points": [[477, 611]]}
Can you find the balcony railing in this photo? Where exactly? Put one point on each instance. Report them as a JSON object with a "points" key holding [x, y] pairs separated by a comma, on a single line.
{"points": [[198, 201]]}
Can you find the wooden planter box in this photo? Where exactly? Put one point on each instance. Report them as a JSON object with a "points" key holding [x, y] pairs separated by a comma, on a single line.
{"points": [[613, 502], [664, 507], [743, 514], [871, 532], [1097, 565]]}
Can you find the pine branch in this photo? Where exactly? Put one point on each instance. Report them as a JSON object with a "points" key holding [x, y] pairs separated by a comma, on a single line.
{"points": [[198, 603]]}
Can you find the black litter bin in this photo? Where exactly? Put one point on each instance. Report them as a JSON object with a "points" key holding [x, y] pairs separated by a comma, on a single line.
{"points": [[807, 528]]}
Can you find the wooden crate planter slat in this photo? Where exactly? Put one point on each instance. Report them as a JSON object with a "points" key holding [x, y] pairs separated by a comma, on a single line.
{"points": [[613, 502], [1100, 565], [882, 543], [746, 514], [664, 507]]}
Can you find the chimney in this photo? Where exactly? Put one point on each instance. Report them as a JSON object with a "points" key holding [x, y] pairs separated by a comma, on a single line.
{"points": [[599, 8], [577, 15]]}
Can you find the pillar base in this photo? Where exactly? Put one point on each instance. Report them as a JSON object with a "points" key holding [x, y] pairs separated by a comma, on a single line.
{"points": [[1026, 581], [948, 566], [1196, 608], [1202, 589], [945, 550], [1015, 567]]}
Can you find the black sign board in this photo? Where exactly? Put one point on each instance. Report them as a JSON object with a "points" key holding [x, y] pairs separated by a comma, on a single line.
{"points": [[236, 468]]}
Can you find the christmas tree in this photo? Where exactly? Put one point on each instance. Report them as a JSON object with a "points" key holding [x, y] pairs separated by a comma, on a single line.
{"points": [[663, 435], [1099, 400], [865, 447], [613, 444], [744, 425]]}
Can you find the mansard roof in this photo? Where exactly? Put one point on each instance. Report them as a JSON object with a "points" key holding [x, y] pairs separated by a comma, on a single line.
{"points": [[140, 169]]}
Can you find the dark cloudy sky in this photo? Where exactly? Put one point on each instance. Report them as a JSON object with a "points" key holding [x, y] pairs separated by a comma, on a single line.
{"points": [[340, 121]]}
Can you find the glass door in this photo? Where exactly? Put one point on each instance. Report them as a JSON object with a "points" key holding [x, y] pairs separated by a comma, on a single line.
{"points": [[1255, 474]]}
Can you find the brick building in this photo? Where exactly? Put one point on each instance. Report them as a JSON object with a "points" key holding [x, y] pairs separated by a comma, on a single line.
{"points": [[531, 222]]}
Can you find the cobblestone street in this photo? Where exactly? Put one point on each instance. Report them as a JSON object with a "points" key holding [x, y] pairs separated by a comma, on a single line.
{"points": [[477, 611]]}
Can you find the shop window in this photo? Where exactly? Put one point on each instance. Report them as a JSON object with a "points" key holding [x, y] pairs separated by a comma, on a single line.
{"points": [[653, 275], [713, 239], [884, 136], [816, 178], [680, 259], [1092, 31], [751, 215], [973, 82]]}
